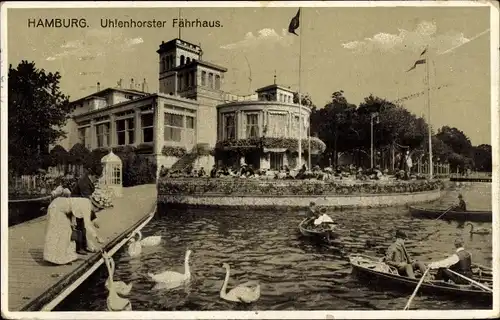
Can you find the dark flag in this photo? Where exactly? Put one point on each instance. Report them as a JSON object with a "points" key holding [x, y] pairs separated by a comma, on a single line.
{"points": [[420, 61], [294, 23]]}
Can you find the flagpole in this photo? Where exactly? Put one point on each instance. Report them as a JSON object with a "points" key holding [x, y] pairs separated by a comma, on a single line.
{"points": [[180, 23], [300, 95], [431, 166]]}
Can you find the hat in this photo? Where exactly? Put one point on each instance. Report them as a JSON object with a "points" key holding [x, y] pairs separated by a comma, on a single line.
{"points": [[95, 202], [460, 196], [401, 234]]}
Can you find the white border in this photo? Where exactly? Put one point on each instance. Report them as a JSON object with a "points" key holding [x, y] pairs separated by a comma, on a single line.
{"points": [[495, 139]]}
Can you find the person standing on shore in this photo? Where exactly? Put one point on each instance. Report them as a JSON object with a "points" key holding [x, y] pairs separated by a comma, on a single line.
{"points": [[58, 246], [84, 188]]}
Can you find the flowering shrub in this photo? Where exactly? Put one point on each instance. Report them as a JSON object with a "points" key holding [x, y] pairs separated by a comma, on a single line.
{"points": [[227, 186], [290, 144], [170, 151]]}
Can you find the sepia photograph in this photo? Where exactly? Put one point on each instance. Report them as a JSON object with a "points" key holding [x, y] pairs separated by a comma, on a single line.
{"points": [[253, 160]]}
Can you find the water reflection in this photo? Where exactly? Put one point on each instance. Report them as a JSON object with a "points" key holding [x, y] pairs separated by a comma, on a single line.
{"points": [[294, 274]]}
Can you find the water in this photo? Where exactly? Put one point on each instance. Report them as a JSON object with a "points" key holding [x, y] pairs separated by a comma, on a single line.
{"points": [[295, 274]]}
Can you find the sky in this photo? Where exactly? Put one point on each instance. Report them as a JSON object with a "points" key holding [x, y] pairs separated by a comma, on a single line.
{"points": [[361, 51]]}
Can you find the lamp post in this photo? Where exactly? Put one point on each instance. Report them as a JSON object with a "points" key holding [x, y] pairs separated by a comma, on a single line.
{"points": [[373, 116]]}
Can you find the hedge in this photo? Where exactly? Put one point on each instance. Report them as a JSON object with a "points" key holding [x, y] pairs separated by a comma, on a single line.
{"points": [[200, 186]]}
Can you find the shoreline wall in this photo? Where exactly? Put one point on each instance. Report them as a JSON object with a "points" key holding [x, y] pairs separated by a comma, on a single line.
{"points": [[292, 195]]}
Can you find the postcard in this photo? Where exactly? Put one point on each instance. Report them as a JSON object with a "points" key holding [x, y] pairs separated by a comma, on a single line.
{"points": [[250, 160]]}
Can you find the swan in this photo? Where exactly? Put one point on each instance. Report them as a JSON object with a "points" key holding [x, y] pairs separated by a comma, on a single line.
{"points": [[134, 247], [172, 279], [114, 302], [121, 287], [247, 292], [478, 231], [149, 241]]}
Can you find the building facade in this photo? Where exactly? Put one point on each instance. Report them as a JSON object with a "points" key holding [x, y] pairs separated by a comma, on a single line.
{"points": [[189, 112], [264, 133]]}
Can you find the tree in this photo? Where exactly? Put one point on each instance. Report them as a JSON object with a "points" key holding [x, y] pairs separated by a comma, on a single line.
{"points": [[482, 157], [306, 100], [37, 112]]}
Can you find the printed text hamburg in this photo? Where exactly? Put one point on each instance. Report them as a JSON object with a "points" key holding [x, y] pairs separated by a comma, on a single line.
{"points": [[117, 23]]}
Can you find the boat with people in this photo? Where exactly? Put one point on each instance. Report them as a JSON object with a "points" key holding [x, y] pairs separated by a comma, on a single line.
{"points": [[318, 233], [446, 214], [378, 273]]}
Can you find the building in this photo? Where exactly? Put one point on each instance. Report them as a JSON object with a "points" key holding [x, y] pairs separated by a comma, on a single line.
{"points": [[264, 132], [190, 113]]}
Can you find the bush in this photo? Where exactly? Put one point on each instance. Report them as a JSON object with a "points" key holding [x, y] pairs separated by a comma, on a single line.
{"points": [[78, 154]]}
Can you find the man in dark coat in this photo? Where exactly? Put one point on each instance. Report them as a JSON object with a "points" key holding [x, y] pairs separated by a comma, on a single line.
{"points": [[84, 189], [398, 257]]}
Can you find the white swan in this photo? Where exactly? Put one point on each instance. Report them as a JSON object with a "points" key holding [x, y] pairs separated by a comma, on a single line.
{"points": [[149, 241], [121, 287], [134, 247], [247, 292], [172, 279], [478, 230], [114, 302]]}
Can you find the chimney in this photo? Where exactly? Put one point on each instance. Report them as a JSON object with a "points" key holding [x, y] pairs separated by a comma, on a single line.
{"points": [[132, 83], [98, 86]]}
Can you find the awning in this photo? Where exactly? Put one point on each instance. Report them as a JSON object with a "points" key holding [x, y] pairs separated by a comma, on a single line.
{"points": [[275, 150]]}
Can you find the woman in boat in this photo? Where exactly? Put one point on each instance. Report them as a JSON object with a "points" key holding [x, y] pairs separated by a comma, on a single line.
{"points": [[59, 247], [460, 262], [398, 257]]}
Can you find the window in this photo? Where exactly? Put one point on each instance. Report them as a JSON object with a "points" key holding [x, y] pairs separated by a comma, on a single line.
{"points": [[203, 78], [189, 122], [252, 125], [173, 127], [84, 136], [277, 125], [276, 160], [172, 62], [102, 133], [147, 127], [125, 131], [179, 82], [192, 78], [229, 127], [217, 82], [186, 80], [182, 60], [211, 80], [188, 60], [281, 97]]}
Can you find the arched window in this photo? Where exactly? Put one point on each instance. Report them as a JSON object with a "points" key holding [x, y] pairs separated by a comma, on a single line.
{"points": [[179, 82], [182, 60], [211, 80], [188, 60], [186, 81], [162, 64], [217, 81], [172, 64]]}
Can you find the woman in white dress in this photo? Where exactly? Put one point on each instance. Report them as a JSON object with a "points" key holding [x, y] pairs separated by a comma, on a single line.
{"points": [[59, 247]]}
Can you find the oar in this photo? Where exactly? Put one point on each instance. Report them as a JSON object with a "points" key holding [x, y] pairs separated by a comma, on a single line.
{"points": [[444, 213], [482, 286], [416, 289]]}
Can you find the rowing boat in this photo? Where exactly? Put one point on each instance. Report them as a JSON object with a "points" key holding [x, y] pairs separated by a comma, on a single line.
{"points": [[323, 235], [380, 274], [475, 216]]}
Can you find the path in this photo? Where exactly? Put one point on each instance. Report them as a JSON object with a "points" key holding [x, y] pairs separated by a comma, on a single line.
{"points": [[33, 283]]}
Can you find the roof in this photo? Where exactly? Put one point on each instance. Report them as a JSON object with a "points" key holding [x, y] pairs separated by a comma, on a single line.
{"points": [[172, 44], [202, 63], [102, 92], [111, 158], [274, 86]]}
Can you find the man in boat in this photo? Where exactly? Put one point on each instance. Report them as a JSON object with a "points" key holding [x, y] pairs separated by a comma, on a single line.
{"points": [[398, 257], [460, 262], [462, 207]]}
